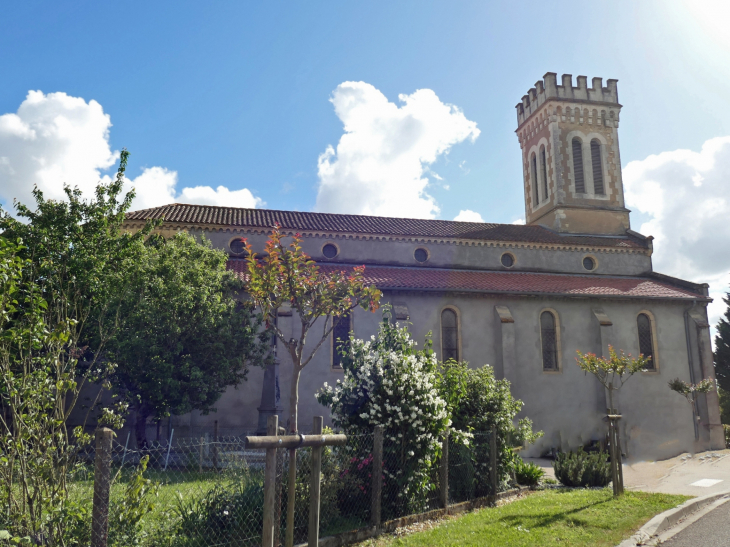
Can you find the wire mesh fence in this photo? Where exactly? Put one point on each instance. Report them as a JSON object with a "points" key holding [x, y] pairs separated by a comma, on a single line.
{"points": [[209, 492]]}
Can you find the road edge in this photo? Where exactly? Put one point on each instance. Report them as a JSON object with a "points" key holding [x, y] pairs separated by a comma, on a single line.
{"points": [[672, 518]]}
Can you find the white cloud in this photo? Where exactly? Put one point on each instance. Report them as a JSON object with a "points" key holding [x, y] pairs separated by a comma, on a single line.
{"points": [[379, 166], [519, 221], [467, 215], [687, 198], [54, 139]]}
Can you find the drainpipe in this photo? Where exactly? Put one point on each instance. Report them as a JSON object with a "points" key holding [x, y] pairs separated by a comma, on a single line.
{"points": [[691, 368]]}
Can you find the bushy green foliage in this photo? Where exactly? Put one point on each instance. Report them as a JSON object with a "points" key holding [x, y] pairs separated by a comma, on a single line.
{"points": [[185, 337], [724, 405], [389, 382], [528, 474], [127, 512], [726, 428], [722, 348], [479, 403], [582, 469]]}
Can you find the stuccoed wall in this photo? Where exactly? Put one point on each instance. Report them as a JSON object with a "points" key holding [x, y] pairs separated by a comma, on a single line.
{"points": [[452, 255], [568, 406]]}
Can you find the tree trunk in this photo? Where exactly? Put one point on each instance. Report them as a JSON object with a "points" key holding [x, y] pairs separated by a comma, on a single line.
{"points": [[294, 399], [140, 428]]}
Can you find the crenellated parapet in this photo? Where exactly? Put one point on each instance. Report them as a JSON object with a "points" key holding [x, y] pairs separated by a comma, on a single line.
{"points": [[548, 89]]}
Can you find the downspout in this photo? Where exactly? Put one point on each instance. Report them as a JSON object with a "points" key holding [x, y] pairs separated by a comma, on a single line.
{"points": [[691, 368]]}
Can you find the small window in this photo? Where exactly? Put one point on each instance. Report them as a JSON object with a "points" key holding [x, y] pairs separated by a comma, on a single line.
{"points": [[340, 338], [580, 183], [549, 339], [597, 167], [589, 263], [330, 250], [543, 167], [449, 335], [421, 255], [238, 246], [507, 260], [535, 189], [646, 339]]}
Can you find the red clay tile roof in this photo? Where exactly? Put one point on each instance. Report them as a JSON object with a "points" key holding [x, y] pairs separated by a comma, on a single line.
{"points": [[326, 222], [516, 283]]}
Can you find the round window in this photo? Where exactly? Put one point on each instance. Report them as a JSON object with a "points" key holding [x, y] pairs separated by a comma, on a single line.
{"points": [[238, 246], [330, 250], [421, 255], [589, 263], [508, 260]]}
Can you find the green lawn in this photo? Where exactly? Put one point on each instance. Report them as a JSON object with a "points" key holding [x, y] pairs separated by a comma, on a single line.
{"points": [[547, 518]]}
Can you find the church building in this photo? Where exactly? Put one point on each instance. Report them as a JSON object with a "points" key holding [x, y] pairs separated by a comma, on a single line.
{"points": [[521, 298]]}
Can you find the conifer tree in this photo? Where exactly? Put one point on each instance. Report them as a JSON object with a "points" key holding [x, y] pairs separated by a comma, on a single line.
{"points": [[722, 349]]}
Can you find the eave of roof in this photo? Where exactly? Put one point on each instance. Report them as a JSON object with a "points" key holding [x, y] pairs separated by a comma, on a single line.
{"points": [[231, 218], [510, 283]]}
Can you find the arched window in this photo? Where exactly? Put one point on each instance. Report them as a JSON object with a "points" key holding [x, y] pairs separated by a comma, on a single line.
{"points": [[580, 183], [646, 339], [597, 167], [543, 172], [535, 189], [449, 335], [340, 338], [549, 339]]}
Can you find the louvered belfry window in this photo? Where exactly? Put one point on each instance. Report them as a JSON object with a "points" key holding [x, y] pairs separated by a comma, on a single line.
{"points": [[580, 183], [535, 191], [646, 340], [597, 167], [543, 166], [340, 338], [449, 335], [549, 341]]}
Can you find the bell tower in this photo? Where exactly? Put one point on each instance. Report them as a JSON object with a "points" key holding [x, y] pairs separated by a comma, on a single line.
{"points": [[570, 156]]}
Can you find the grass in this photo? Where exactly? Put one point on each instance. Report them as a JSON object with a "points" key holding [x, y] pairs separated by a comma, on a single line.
{"points": [[548, 518]]}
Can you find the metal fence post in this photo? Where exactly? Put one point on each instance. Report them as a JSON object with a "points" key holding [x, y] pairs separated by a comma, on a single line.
{"points": [[493, 476], [376, 495], [314, 489], [272, 427], [215, 445], [102, 486], [444, 472]]}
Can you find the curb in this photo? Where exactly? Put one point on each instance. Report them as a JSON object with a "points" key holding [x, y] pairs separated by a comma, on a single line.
{"points": [[668, 519]]}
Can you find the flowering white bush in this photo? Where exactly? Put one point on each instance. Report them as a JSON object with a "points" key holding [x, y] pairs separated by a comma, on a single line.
{"points": [[389, 382]]}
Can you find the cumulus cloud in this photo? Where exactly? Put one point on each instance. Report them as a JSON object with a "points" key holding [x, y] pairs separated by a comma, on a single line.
{"points": [[687, 199], [379, 166], [467, 215], [55, 138]]}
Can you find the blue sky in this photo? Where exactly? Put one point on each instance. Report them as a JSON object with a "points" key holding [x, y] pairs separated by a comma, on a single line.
{"points": [[237, 94]]}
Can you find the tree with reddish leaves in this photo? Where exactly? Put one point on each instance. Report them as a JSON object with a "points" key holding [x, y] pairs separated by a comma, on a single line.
{"points": [[284, 274]]}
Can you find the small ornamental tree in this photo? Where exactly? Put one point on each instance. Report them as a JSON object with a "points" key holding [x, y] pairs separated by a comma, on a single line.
{"points": [[613, 372], [688, 390], [284, 274], [389, 382]]}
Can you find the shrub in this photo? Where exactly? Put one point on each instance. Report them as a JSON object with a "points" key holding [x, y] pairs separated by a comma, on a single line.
{"points": [[528, 474], [581, 469], [727, 435]]}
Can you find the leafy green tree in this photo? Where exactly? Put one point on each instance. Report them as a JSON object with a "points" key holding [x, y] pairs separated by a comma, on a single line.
{"points": [[185, 337], [722, 349], [284, 274], [76, 254]]}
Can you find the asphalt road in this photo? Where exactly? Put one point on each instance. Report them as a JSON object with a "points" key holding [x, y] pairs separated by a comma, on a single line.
{"points": [[712, 530]]}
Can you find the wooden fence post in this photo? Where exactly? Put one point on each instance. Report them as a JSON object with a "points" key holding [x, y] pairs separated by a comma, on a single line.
{"points": [[376, 494], [444, 472], [493, 476], [314, 488], [272, 426], [102, 486]]}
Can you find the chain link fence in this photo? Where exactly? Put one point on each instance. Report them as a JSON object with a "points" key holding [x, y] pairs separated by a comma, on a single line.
{"points": [[208, 492]]}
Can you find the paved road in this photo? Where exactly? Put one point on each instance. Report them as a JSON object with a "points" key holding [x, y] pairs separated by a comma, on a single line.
{"points": [[712, 530]]}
